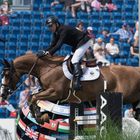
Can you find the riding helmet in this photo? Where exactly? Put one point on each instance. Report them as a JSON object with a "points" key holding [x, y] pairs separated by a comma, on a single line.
{"points": [[51, 20]]}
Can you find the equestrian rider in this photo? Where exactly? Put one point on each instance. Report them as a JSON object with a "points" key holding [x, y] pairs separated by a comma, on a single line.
{"points": [[64, 34]]}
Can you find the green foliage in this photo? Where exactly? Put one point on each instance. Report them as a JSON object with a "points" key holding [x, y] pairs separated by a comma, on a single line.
{"points": [[112, 133]]}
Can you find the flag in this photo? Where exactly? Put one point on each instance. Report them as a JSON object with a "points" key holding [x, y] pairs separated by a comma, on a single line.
{"points": [[53, 125], [13, 114], [45, 137], [31, 133]]}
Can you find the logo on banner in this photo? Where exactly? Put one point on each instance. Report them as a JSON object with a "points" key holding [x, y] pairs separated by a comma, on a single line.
{"points": [[103, 115]]}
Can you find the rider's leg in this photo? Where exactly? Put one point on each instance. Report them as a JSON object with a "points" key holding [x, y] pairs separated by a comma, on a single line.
{"points": [[78, 54], [77, 75]]}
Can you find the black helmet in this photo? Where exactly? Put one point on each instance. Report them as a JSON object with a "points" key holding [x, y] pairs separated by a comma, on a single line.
{"points": [[51, 20]]}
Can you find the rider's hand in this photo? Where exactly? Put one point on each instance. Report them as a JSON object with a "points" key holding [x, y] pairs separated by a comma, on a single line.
{"points": [[42, 53]]}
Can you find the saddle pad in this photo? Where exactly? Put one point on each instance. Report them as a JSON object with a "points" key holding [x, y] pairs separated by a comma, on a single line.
{"points": [[89, 73]]}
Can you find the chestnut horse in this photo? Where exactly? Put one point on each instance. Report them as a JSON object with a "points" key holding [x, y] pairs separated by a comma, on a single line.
{"points": [[55, 86]]}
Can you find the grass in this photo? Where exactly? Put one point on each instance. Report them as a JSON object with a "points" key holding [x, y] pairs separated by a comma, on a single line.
{"points": [[112, 133]]}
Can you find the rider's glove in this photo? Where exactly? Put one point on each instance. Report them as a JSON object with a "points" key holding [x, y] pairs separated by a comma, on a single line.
{"points": [[42, 53]]}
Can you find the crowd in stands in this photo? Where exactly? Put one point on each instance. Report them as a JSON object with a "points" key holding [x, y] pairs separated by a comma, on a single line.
{"points": [[105, 49], [86, 5]]}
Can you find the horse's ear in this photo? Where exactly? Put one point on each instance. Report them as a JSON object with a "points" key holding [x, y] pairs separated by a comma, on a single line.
{"points": [[6, 63]]}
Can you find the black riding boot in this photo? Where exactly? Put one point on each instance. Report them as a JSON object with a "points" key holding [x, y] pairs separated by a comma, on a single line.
{"points": [[77, 75]]}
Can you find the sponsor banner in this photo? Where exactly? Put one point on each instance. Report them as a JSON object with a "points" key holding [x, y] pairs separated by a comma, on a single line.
{"points": [[62, 109], [7, 129], [53, 125], [58, 125]]}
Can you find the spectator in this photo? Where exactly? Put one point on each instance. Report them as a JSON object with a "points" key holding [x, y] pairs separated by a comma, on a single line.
{"points": [[86, 5], [137, 26], [111, 7], [31, 87], [129, 113], [134, 49], [9, 107], [24, 97], [112, 51], [95, 4], [89, 53], [105, 35], [67, 3], [104, 2], [55, 2], [80, 26], [90, 33], [124, 33], [5, 7], [4, 11], [32, 83], [136, 35], [99, 52], [74, 8], [103, 5], [3, 18]]}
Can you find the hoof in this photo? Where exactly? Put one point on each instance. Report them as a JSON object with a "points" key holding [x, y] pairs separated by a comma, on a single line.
{"points": [[45, 117], [39, 121]]}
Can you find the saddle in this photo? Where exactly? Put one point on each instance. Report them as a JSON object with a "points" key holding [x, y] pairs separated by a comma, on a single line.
{"points": [[90, 69]]}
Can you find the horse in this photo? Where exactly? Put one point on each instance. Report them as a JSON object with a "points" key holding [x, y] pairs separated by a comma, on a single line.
{"points": [[56, 86]]}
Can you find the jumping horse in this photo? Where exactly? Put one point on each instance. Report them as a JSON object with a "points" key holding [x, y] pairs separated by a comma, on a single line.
{"points": [[55, 85]]}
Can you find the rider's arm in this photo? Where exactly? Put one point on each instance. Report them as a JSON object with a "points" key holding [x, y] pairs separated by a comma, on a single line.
{"points": [[59, 42], [53, 42]]}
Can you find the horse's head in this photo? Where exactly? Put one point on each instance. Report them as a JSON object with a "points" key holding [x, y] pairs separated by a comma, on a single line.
{"points": [[7, 85]]}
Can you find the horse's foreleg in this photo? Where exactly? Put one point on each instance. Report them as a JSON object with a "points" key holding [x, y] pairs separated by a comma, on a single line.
{"points": [[49, 94]]}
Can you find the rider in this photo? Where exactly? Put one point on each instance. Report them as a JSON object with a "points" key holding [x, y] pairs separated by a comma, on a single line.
{"points": [[64, 34]]}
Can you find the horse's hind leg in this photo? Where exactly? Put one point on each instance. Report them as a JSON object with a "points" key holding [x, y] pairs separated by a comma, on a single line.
{"points": [[39, 116], [35, 110]]}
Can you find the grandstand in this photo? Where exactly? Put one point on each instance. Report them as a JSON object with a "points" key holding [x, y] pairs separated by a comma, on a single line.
{"points": [[27, 30]]}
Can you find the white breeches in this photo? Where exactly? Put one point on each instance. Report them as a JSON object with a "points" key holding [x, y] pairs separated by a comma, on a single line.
{"points": [[79, 53]]}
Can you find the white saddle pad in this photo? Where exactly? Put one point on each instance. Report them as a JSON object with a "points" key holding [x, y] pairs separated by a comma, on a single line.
{"points": [[89, 73]]}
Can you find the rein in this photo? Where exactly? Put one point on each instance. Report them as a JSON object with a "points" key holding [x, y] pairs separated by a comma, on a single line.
{"points": [[28, 75]]}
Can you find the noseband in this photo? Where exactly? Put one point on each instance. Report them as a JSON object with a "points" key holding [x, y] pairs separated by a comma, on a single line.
{"points": [[8, 88]]}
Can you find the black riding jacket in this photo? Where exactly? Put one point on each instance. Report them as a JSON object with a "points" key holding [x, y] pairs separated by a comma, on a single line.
{"points": [[67, 35]]}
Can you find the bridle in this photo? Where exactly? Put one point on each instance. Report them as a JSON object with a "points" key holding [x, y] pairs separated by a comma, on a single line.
{"points": [[7, 89]]}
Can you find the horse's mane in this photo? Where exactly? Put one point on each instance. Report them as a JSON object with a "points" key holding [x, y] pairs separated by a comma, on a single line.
{"points": [[32, 56], [54, 58]]}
